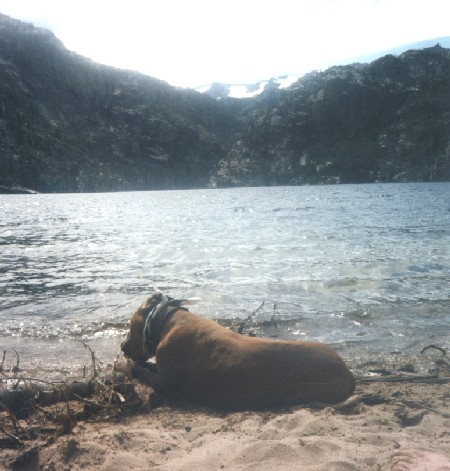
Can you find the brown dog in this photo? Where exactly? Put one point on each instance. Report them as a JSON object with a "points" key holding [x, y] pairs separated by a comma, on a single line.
{"points": [[220, 368]]}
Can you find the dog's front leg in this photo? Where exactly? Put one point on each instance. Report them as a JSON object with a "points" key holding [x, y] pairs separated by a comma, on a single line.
{"points": [[147, 374]]}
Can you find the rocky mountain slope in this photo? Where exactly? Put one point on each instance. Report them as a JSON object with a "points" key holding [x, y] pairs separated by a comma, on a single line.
{"points": [[387, 121], [69, 124]]}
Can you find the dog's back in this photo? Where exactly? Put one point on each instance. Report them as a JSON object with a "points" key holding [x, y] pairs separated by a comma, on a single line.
{"points": [[223, 369]]}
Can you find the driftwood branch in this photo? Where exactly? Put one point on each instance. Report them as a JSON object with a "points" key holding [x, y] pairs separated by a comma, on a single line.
{"points": [[421, 405], [275, 307], [55, 408], [10, 415], [43, 393], [16, 441], [241, 325], [20, 394], [31, 407], [404, 379]]}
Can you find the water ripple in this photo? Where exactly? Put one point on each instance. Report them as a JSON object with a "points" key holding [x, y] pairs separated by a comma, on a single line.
{"points": [[360, 260]]}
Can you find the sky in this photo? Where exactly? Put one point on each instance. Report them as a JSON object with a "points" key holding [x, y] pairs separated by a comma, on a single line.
{"points": [[190, 43]]}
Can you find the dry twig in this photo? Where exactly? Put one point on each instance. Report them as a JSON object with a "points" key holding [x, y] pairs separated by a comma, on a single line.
{"points": [[16, 368], [16, 440], [242, 324], [3, 360], [94, 367], [404, 379], [421, 405]]}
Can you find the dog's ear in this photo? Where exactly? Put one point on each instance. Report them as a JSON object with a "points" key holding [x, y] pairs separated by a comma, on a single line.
{"points": [[184, 302], [149, 304]]}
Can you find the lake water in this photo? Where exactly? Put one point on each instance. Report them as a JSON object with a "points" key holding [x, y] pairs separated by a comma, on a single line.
{"points": [[365, 268]]}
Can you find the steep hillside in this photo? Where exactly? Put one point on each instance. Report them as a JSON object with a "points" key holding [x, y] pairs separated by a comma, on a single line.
{"points": [[387, 121], [69, 124]]}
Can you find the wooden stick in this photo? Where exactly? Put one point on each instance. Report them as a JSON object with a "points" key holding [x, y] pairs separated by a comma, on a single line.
{"points": [[242, 324], [405, 379], [87, 347], [3, 360], [15, 369], [15, 439]]}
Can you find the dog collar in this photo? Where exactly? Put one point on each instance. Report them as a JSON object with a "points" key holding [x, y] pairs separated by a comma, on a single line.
{"points": [[151, 335]]}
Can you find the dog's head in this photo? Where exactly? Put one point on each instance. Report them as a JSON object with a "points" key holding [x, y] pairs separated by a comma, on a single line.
{"points": [[147, 323], [133, 346]]}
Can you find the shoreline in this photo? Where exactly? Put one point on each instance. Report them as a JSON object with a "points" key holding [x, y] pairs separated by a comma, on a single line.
{"points": [[182, 436]]}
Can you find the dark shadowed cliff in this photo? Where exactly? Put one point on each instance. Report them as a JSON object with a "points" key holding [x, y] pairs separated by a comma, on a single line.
{"points": [[387, 121], [69, 124]]}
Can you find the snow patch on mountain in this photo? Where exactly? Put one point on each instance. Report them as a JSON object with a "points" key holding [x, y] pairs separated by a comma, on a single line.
{"points": [[222, 90]]}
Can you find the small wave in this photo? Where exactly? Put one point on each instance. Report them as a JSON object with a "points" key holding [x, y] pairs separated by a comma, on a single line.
{"points": [[242, 209], [67, 331], [341, 282]]}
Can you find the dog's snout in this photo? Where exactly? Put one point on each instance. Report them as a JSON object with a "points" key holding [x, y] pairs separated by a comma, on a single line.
{"points": [[124, 346]]}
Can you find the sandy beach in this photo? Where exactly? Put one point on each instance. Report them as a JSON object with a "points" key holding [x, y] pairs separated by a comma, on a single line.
{"points": [[182, 436]]}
